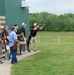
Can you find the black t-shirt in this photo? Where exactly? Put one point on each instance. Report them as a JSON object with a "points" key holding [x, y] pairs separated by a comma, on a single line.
{"points": [[5, 34], [23, 30], [33, 32]]}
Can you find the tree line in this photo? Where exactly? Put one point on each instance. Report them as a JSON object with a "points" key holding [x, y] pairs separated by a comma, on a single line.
{"points": [[64, 22]]}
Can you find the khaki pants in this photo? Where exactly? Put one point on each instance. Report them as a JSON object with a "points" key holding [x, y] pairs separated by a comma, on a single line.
{"points": [[33, 39]]}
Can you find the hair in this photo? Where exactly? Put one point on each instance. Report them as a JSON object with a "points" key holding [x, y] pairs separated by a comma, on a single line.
{"points": [[16, 25], [5, 26], [13, 28]]}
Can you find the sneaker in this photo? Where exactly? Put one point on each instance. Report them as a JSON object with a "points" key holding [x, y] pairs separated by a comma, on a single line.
{"points": [[13, 63], [22, 52], [6, 58], [26, 51], [10, 57], [34, 50]]}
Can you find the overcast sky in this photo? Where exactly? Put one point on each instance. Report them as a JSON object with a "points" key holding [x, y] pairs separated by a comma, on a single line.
{"points": [[51, 6]]}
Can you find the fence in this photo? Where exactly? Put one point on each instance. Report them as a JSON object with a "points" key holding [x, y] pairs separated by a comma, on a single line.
{"points": [[56, 39]]}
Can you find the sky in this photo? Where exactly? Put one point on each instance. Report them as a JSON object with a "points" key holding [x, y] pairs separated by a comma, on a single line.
{"points": [[51, 6]]}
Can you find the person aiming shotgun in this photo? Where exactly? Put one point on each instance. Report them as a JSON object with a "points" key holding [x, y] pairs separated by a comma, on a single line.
{"points": [[32, 36]]}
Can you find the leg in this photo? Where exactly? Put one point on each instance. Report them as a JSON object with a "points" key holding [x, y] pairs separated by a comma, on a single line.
{"points": [[34, 45], [20, 47], [28, 43], [14, 52], [0, 54], [15, 55], [34, 40], [7, 54], [25, 45]]}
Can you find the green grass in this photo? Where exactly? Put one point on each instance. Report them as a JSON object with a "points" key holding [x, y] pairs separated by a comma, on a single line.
{"points": [[56, 57]]}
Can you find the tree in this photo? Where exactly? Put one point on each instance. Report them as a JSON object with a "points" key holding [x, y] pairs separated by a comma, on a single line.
{"points": [[53, 22]]}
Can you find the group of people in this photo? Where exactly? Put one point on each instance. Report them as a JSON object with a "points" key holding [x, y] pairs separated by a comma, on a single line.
{"points": [[10, 41]]}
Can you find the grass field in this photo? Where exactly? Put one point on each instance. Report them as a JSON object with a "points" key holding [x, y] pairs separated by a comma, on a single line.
{"points": [[56, 57]]}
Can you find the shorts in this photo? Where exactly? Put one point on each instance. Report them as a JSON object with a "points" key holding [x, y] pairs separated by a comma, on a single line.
{"points": [[24, 42], [33, 39], [7, 47]]}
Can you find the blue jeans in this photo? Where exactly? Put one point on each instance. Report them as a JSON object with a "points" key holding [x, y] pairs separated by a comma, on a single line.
{"points": [[14, 53]]}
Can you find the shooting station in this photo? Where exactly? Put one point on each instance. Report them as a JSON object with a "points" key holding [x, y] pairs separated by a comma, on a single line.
{"points": [[14, 12]]}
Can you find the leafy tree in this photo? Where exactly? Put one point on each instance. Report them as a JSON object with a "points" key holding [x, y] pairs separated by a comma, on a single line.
{"points": [[53, 22]]}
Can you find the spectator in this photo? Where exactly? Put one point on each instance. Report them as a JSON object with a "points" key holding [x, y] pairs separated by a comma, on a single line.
{"points": [[16, 25], [23, 31], [13, 40], [5, 34]]}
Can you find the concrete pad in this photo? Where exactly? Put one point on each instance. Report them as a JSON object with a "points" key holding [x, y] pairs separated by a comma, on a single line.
{"points": [[5, 68]]}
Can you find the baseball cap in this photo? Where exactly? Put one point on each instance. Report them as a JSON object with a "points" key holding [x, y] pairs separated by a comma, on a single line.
{"points": [[23, 23], [35, 24], [13, 27]]}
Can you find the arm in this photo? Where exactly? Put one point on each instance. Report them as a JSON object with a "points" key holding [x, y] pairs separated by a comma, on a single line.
{"points": [[36, 27], [41, 27], [15, 38]]}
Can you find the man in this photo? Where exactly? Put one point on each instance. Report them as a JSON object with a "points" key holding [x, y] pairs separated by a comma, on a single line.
{"points": [[13, 39], [23, 29], [32, 36], [23, 33], [16, 25]]}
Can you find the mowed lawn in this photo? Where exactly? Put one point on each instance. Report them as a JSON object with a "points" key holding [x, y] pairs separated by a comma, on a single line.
{"points": [[56, 57]]}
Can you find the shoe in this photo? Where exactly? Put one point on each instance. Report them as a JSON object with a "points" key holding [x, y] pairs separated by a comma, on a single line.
{"points": [[28, 50], [1, 62], [22, 52], [13, 62], [34, 50], [7, 58]]}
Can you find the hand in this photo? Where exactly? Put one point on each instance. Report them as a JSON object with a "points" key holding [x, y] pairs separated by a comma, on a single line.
{"points": [[43, 24], [18, 41], [25, 39]]}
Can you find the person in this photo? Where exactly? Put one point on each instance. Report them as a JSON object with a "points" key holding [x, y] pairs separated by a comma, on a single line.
{"points": [[13, 40], [32, 36], [1, 47], [23, 29], [23, 32], [5, 34], [16, 25], [23, 43]]}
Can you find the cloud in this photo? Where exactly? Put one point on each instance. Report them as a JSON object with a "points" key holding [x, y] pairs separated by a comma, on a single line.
{"points": [[51, 6]]}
